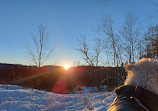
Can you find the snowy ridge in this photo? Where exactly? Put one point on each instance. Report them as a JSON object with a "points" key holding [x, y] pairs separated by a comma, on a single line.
{"points": [[16, 98]]}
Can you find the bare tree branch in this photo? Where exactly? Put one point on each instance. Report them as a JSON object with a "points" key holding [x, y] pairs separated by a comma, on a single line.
{"points": [[130, 32], [107, 28], [84, 49], [39, 54], [97, 50]]}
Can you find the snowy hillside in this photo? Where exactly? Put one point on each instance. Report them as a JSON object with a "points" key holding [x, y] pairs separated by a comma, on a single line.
{"points": [[16, 98]]}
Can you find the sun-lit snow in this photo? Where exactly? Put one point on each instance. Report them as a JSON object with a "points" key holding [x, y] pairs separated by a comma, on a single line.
{"points": [[16, 98]]}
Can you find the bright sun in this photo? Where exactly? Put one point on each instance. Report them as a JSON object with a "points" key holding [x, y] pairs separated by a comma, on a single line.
{"points": [[66, 67]]}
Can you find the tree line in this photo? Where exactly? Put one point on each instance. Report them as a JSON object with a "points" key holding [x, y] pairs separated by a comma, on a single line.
{"points": [[122, 45], [46, 77]]}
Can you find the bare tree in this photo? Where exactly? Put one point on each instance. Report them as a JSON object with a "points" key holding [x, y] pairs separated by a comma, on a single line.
{"points": [[90, 54], [85, 51], [97, 50], [39, 53], [140, 48], [151, 37], [129, 32], [141, 44], [112, 42], [108, 29]]}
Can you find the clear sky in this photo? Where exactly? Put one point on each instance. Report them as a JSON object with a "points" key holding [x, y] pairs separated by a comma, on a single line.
{"points": [[66, 20]]}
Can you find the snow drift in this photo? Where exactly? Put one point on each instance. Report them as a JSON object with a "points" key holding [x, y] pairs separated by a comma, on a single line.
{"points": [[16, 98]]}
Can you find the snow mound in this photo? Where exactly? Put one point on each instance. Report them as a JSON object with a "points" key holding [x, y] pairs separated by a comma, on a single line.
{"points": [[16, 98], [82, 89]]}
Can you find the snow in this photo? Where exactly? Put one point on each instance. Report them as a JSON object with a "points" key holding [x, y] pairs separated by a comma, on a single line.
{"points": [[82, 89], [17, 98]]}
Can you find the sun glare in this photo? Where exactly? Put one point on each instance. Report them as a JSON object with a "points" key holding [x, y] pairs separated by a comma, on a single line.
{"points": [[66, 67]]}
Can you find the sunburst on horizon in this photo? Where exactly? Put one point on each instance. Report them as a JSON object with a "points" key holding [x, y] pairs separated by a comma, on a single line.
{"points": [[66, 67]]}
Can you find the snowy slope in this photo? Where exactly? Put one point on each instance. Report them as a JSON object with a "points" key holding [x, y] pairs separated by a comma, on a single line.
{"points": [[16, 98]]}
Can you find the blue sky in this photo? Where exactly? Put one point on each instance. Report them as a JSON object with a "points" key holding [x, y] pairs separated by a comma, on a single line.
{"points": [[66, 20]]}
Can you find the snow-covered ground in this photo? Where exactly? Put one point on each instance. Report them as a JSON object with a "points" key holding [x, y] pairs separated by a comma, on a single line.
{"points": [[16, 98], [82, 89]]}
